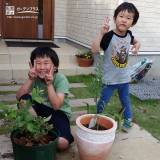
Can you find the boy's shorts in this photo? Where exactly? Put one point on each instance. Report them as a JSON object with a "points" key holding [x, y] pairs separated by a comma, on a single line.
{"points": [[59, 119]]}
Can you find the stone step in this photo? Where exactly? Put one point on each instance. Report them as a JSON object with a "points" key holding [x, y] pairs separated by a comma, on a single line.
{"points": [[20, 71], [14, 61], [24, 58], [21, 55]]}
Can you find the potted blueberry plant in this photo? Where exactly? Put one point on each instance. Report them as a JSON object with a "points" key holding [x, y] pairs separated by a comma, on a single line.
{"points": [[95, 139], [31, 137]]}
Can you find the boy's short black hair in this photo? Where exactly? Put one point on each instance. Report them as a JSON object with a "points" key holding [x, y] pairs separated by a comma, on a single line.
{"points": [[130, 7], [41, 52]]}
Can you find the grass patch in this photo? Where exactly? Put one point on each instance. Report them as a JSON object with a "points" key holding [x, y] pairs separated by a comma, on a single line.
{"points": [[7, 84], [145, 113], [81, 93], [10, 102], [4, 130], [82, 108], [73, 123], [7, 92], [1, 115], [86, 79]]}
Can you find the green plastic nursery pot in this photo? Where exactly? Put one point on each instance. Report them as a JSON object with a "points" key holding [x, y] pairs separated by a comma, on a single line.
{"points": [[44, 152]]}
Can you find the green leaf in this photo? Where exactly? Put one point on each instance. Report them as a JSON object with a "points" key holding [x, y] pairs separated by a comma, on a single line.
{"points": [[33, 92], [31, 127], [37, 99], [43, 131], [1, 104], [18, 119], [29, 118], [28, 104], [13, 114], [5, 107], [20, 124], [48, 118]]}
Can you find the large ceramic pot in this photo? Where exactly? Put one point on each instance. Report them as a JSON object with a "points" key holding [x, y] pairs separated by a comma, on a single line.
{"points": [[94, 144], [44, 152], [84, 62]]}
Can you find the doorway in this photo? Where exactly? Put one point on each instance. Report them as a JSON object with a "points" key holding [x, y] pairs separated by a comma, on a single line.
{"points": [[31, 19]]}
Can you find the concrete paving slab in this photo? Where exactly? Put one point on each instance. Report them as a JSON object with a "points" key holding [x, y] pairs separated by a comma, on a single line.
{"points": [[8, 97], [17, 86], [136, 132], [12, 81], [77, 85], [73, 103], [76, 114], [79, 102], [1, 121], [5, 146], [10, 88], [12, 97], [137, 148]]}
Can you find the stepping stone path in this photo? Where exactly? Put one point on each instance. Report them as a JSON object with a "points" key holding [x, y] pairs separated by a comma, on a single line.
{"points": [[16, 84]]}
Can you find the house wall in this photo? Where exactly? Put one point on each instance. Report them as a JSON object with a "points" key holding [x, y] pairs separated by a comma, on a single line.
{"points": [[147, 29], [84, 18], [81, 20], [60, 18]]}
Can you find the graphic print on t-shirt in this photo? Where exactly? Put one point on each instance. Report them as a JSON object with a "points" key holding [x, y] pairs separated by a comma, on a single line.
{"points": [[120, 55]]}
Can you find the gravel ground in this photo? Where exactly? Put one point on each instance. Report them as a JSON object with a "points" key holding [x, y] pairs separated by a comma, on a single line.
{"points": [[146, 89]]}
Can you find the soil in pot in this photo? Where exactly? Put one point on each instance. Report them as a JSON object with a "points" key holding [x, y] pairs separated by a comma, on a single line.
{"points": [[41, 152], [93, 144], [97, 127], [24, 140]]}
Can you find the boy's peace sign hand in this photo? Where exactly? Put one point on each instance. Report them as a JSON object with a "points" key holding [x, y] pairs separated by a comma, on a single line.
{"points": [[105, 27], [32, 74], [49, 76]]}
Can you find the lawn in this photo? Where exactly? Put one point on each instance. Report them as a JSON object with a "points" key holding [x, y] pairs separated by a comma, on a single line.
{"points": [[145, 113]]}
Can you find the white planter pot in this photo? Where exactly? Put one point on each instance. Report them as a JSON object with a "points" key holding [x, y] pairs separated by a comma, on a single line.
{"points": [[94, 144]]}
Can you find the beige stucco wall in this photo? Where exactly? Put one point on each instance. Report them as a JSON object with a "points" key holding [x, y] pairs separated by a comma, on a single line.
{"points": [[80, 20]]}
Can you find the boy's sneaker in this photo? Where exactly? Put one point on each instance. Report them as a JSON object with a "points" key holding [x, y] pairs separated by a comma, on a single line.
{"points": [[126, 126]]}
